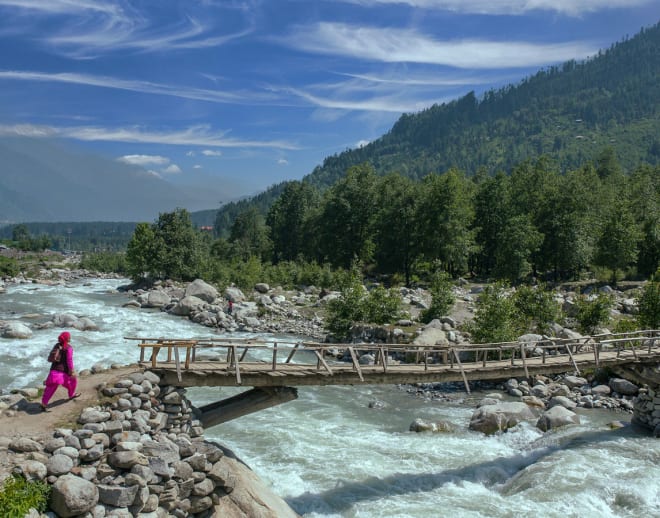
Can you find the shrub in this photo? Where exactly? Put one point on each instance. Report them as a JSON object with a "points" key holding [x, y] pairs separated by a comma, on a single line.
{"points": [[18, 496], [649, 304], [108, 262], [536, 308], [345, 310], [442, 297], [496, 318], [593, 312], [381, 305], [9, 267]]}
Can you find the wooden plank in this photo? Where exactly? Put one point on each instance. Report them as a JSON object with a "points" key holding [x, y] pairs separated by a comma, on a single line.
{"points": [[323, 362], [458, 361], [178, 364], [274, 356], [293, 351], [356, 364]]}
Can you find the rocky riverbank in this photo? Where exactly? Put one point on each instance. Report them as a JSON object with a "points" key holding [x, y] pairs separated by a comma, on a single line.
{"points": [[138, 452]]}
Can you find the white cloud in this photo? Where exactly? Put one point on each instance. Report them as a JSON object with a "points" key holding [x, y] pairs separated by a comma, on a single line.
{"points": [[361, 143], [171, 169], [193, 136], [87, 28], [211, 152], [190, 153], [153, 173], [199, 94], [409, 46], [143, 160], [282, 161], [197, 166], [514, 7]]}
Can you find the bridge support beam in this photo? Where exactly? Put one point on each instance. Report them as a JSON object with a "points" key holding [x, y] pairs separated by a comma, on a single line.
{"points": [[245, 403]]}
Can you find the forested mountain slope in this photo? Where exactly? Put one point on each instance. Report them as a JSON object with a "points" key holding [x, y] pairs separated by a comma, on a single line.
{"points": [[570, 113]]}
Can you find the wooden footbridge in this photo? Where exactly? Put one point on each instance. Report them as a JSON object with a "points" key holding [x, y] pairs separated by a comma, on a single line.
{"points": [[273, 367]]}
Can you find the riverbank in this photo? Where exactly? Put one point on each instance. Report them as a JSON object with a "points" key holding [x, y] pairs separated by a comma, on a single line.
{"points": [[127, 447]]}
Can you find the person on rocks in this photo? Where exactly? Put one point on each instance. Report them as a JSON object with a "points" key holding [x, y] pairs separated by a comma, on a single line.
{"points": [[230, 306], [62, 372]]}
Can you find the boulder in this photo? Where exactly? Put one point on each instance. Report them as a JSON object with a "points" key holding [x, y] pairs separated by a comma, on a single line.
{"points": [[234, 294], [73, 496], [187, 305], [562, 401], [556, 417], [202, 290], [16, 330], [491, 419], [419, 425], [623, 387], [262, 287], [157, 299], [574, 381]]}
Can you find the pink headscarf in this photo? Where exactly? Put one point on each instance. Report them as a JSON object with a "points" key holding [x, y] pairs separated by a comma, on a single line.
{"points": [[64, 338]]}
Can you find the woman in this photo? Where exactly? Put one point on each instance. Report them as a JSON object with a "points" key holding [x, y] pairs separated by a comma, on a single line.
{"points": [[61, 372]]}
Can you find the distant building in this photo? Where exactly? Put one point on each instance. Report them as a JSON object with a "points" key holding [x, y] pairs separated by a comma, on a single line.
{"points": [[206, 228]]}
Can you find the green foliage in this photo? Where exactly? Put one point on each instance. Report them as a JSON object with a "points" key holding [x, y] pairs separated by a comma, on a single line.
{"points": [[442, 297], [18, 496], [345, 310], [9, 267], [108, 262], [536, 308], [625, 325], [593, 312], [649, 304], [381, 305], [496, 319], [170, 248]]}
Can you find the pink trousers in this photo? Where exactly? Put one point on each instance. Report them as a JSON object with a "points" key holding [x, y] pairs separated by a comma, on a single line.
{"points": [[54, 380]]}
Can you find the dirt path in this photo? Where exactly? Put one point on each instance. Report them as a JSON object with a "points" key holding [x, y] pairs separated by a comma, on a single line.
{"points": [[33, 422]]}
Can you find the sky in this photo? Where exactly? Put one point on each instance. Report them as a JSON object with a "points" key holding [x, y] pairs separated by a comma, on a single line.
{"points": [[247, 94]]}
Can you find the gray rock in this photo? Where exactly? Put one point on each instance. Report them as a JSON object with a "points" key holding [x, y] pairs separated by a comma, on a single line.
{"points": [[92, 415], [574, 381], [34, 470], [23, 444], [623, 387], [491, 419], [16, 330], [119, 496], [73, 496], [601, 390], [556, 417], [202, 290], [59, 465], [562, 401], [126, 459], [187, 305], [419, 425]]}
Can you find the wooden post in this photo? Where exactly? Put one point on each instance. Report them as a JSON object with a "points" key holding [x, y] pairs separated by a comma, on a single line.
{"points": [[458, 360], [293, 351], [321, 361], [356, 364], [522, 355], [274, 356], [178, 364]]}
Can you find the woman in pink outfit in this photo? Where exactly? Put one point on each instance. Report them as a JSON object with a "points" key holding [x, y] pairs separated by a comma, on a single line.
{"points": [[61, 372]]}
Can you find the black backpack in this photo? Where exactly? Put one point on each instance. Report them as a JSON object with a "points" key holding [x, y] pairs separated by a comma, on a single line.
{"points": [[55, 355]]}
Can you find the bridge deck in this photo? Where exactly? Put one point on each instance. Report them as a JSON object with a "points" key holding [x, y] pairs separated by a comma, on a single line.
{"points": [[260, 364]]}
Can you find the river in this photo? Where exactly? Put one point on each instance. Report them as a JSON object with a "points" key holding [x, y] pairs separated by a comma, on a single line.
{"points": [[329, 455]]}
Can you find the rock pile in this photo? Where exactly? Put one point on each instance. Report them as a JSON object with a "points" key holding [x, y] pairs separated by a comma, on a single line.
{"points": [[141, 454], [646, 410]]}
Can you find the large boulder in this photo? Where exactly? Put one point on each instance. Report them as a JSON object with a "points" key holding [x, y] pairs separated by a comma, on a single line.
{"points": [[73, 496], [556, 417], [16, 330], [202, 290], [234, 294], [623, 387], [491, 419], [431, 335], [157, 299], [187, 305]]}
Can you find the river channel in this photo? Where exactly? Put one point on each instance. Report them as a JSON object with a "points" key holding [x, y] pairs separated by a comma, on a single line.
{"points": [[328, 454]]}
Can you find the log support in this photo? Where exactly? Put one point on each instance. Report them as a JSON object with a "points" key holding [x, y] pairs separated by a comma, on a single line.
{"points": [[245, 403]]}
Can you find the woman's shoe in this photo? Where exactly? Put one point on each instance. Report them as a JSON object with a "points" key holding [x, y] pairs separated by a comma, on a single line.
{"points": [[44, 408]]}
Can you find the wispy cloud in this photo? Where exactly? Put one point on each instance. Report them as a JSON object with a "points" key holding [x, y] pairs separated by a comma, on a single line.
{"points": [[390, 45], [91, 27], [514, 7], [211, 152], [143, 160], [193, 136], [147, 87], [171, 169]]}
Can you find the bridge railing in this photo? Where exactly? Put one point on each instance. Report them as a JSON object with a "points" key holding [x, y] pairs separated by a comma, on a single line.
{"points": [[182, 352]]}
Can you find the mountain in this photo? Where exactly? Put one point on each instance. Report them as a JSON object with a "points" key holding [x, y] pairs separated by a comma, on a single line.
{"points": [[43, 180], [570, 113]]}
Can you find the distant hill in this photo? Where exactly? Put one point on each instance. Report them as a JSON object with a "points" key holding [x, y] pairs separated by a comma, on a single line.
{"points": [[569, 112], [42, 180]]}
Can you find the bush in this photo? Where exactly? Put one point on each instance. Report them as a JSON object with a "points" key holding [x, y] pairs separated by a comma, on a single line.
{"points": [[344, 311], [18, 496], [593, 312], [107, 262], [649, 304], [536, 308], [381, 306], [496, 318], [9, 267], [442, 297]]}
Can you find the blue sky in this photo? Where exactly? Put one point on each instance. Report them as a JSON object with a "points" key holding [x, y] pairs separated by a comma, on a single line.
{"points": [[245, 94]]}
